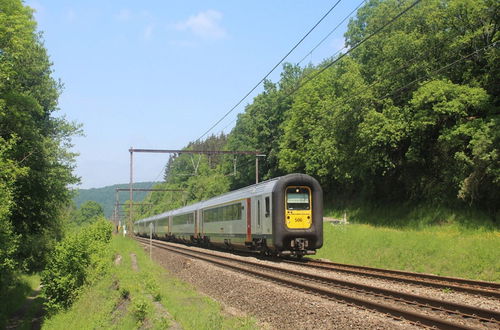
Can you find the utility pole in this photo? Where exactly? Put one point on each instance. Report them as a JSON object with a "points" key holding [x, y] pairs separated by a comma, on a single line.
{"points": [[131, 184]]}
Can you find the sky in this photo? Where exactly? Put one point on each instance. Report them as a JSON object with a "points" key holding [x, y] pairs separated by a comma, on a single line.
{"points": [[158, 74]]}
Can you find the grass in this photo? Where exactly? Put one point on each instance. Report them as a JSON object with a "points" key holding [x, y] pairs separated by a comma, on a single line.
{"points": [[149, 298], [413, 216], [16, 298], [447, 250], [457, 241]]}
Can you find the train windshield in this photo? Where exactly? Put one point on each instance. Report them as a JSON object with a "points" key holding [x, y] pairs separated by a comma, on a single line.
{"points": [[297, 198]]}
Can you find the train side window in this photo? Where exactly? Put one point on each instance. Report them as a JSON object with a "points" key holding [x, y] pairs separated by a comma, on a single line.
{"points": [[268, 208]]}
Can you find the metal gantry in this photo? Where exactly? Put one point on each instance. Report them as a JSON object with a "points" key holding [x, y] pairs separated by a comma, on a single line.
{"points": [[174, 151], [117, 213]]}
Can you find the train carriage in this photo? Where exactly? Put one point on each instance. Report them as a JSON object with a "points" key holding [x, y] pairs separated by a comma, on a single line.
{"points": [[162, 225], [281, 216], [182, 223]]}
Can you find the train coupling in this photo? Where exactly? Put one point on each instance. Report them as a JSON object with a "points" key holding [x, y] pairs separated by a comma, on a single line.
{"points": [[299, 244]]}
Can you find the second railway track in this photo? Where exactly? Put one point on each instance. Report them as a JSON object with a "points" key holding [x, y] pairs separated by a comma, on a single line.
{"points": [[487, 289], [415, 308]]}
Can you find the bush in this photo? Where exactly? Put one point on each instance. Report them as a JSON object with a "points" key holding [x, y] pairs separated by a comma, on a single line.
{"points": [[140, 310], [77, 260]]}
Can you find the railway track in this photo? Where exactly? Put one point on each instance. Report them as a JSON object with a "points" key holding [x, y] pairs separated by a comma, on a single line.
{"points": [[416, 309], [487, 289]]}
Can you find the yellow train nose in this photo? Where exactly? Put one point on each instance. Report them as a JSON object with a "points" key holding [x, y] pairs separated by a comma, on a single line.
{"points": [[298, 219]]}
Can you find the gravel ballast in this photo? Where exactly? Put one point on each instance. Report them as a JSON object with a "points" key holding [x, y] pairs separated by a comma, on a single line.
{"points": [[274, 306]]}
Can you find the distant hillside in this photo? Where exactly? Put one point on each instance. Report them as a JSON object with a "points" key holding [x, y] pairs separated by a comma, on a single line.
{"points": [[106, 195]]}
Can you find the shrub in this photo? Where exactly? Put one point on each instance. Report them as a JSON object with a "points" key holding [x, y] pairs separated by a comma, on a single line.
{"points": [[124, 293], [77, 260], [140, 310]]}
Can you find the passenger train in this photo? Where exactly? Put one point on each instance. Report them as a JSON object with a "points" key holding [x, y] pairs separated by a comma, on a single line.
{"points": [[281, 216]]}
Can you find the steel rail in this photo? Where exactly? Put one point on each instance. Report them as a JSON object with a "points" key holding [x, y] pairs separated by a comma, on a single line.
{"points": [[448, 308], [483, 288]]}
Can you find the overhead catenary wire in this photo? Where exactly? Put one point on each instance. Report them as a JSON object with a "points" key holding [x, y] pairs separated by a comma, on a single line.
{"points": [[438, 70], [330, 33], [398, 89], [462, 58], [316, 74], [409, 62], [271, 71], [336, 60], [315, 47], [371, 35]]}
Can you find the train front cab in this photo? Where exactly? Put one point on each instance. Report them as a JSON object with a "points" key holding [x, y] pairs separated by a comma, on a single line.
{"points": [[297, 215]]}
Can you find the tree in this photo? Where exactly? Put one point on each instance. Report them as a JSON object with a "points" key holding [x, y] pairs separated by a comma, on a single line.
{"points": [[260, 128], [9, 240], [321, 131], [28, 99], [434, 80], [88, 212]]}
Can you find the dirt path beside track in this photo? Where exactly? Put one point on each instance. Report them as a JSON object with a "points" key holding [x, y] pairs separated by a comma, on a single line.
{"points": [[30, 315]]}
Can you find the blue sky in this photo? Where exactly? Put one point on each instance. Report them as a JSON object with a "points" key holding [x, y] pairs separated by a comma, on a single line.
{"points": [[158, 74]]}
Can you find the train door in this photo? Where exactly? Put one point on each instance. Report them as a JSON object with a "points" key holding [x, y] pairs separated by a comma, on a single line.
{"points": [[199, 222], [258, 219], [267, 223], [195, 223]]}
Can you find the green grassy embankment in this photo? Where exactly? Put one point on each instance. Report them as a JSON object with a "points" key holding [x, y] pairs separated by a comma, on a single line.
{"points": [[146, 297], [425, 240]]}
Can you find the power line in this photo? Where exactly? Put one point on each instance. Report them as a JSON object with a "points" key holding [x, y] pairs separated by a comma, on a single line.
{"points": [[315, 47], [267, 75], [317, 73], [416, 80], [439, 70], [330, 33]]}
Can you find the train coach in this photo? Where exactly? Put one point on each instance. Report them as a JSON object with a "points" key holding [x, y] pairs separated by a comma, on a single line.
{"points": [[281, 216]]}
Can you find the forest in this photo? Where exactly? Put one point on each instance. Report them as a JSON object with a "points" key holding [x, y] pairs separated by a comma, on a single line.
{"points": [[408, 114]]}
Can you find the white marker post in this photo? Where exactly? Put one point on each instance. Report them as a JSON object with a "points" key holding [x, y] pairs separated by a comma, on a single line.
{"points": [[150, 239]]}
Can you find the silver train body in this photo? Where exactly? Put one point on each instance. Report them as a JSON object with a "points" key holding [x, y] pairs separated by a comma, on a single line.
{"points": [[282, 216]]}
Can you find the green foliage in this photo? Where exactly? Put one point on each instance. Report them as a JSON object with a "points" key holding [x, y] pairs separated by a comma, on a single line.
{"points": [[445, 118], [389, 123], [79, 259], [124, 293], [88, 212], [39, 141], [9, 240], [320, 133], [140, 309]]}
